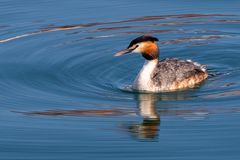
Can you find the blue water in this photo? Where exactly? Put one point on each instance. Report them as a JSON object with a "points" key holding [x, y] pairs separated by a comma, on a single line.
{"points": [[62, 91]]}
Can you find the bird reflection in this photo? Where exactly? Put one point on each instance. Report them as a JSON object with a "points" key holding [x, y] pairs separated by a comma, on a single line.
{"points": [[147, 104], [149, 127]]}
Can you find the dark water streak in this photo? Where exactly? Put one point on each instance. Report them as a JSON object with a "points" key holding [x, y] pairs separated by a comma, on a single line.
{"points": [[145, 18]]}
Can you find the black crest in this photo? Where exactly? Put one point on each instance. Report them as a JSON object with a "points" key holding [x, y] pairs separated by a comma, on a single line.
{"points": [[142, 39]]}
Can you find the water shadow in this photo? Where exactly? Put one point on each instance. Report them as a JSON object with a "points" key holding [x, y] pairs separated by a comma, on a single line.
{"points": [[81, 112]]}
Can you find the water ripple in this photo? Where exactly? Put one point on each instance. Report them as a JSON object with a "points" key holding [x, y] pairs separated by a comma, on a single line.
{"points": [[69, 70]]}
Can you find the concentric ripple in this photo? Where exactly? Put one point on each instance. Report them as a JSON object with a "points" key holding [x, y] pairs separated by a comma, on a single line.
{"points": [[73, 65]]}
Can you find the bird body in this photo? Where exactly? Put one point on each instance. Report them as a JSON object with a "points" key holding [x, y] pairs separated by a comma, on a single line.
{"points": [[163, 75], [169, 74]]}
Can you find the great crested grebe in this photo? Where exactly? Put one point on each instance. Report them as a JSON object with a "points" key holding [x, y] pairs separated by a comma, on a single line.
{"points": [[165, 75]]}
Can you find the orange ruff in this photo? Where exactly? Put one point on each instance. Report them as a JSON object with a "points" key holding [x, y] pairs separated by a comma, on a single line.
{"points": [[149, 48]]}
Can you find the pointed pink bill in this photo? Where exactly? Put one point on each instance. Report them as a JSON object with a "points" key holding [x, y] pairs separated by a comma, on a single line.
{"points": [[122, 52]]}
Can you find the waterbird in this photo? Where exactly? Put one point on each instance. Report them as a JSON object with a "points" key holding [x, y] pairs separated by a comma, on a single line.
{"points": [[169, 74]]}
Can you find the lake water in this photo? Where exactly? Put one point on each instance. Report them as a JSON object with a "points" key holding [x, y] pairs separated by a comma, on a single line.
{"points": [[61, 88]]}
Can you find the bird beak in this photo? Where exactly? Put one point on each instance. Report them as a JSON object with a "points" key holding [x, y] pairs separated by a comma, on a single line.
{"points": [[122, 52]]}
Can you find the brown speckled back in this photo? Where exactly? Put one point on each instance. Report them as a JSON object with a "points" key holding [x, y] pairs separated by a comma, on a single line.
{"points": [[172, 70]]}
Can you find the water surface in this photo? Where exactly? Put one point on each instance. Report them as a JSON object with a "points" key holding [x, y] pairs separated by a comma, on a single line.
{"points": [[61, 93]]}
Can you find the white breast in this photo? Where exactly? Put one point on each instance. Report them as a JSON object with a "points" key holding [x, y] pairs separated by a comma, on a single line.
{"points": [[143, 80]]}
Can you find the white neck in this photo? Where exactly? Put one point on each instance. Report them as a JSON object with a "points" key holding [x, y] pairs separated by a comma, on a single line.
{"points": [[143, 80]]}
